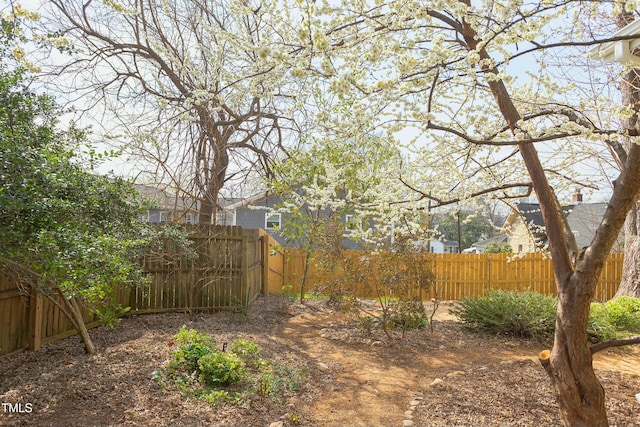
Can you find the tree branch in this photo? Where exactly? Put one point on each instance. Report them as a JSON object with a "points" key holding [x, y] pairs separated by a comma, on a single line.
{"points": [[442, 202], [614, 343]]}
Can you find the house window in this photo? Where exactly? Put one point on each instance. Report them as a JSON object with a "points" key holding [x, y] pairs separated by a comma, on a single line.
{"points": [[519, 248], [273, 221], [164, 217], [188, 218], [350, 222]]}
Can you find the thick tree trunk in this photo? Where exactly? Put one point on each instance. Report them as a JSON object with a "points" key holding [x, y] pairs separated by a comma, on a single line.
{"points": [[208, 208], [629, 88], [212, 163], [569, 364], [630, 282], [209, 202]]}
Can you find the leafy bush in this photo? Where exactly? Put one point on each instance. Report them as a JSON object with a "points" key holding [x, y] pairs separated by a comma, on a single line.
{"points": [[614, 318], [407, 314], [599, 327], [198, 370], [525, 314], [221, 369], [187, 337], [529, 314], [624, 313], [192, 345], [186, 359]]}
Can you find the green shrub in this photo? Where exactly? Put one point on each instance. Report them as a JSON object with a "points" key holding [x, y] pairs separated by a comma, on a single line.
{"points": [[218, 377], [186, 359], [221, 369], [407, 314], [529, 314], [599, 327], [186, 337], [614, 318], [525, 314], [624, 313], [246, 350]]}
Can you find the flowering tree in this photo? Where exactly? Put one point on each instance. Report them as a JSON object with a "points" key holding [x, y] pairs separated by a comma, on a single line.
{"points": [[448, 72], [334, 189], [196, 86]]}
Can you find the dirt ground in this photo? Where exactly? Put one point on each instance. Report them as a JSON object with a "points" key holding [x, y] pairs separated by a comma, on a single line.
{"points": [[449, 377]]}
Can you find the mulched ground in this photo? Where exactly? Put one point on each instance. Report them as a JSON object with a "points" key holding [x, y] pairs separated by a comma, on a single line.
{"points": [[486, 381]]}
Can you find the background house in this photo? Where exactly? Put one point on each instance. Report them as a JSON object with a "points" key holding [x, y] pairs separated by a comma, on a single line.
{"points": [[251, 213], [257, 212], [479, 246], [167, 206], [526, 232], [446, 247]]}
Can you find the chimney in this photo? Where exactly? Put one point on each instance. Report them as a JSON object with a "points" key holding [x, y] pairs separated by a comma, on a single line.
{"points": [[577, 196]]}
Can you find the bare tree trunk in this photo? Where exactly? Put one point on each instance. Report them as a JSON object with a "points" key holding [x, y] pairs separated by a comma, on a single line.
{"points": [[75, 315], [303, 284], [630, 282]]}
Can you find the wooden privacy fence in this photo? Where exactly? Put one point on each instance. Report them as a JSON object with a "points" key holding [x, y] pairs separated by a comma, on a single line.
{"points": [[233, 265], [226, 274], [459, 275]]}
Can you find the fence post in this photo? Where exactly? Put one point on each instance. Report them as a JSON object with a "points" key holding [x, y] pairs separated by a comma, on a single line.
{"points": [[264, 285], [36, 304], [245, 269]]}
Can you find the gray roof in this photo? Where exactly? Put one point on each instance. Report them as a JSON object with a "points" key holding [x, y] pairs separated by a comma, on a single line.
{"points": [[583, 218]]}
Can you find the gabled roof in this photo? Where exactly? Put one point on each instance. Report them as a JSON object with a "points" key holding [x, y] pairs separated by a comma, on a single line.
{"points": [[239, 203], [532, 214], [583, 219], [228, 203]]}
